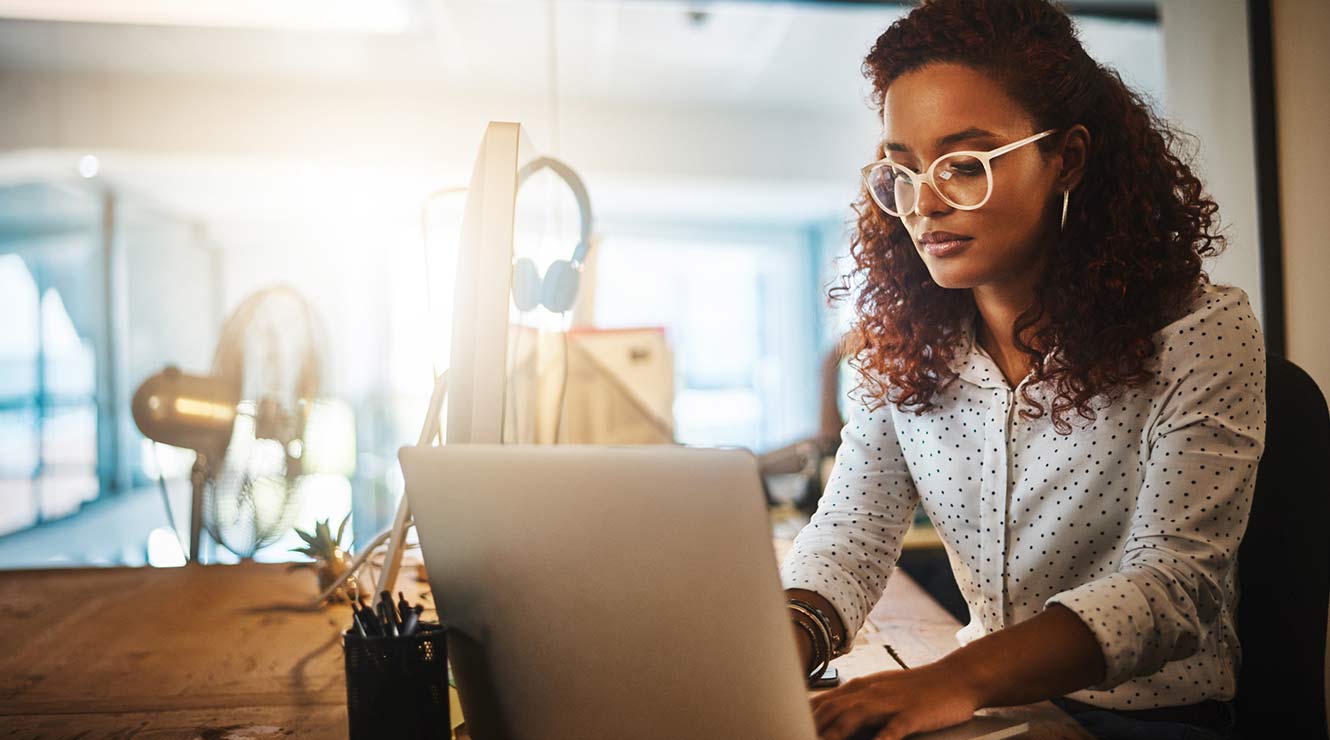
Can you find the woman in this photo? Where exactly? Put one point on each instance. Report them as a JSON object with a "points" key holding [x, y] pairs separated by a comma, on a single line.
{"points": [[1046, 369]]}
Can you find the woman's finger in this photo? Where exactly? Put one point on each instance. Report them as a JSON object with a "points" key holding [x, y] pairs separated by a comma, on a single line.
{"points": [[823, 698], [848, 723], [897, 728], [827, 712], [832, 695], [845, 689]]}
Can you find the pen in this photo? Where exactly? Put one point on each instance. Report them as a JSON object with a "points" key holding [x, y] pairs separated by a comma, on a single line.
{"points": [[402, 606], [387, 599], [361, 625], [355, 621], [385, 611], [896, 657], [411, 622], [369, 621]]}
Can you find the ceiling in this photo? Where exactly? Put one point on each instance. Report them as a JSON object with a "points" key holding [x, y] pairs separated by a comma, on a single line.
{"points": [[770, 55], [737, 65], [730, 54]]}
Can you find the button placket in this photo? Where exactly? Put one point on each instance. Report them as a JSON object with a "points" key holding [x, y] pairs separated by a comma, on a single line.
{"points": [[993, 507], [1009, 442]]}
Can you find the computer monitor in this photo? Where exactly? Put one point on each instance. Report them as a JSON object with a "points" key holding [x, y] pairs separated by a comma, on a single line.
{"points": [[477, 371], [477, 378]]}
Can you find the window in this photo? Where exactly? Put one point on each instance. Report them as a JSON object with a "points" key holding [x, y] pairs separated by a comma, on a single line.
{"points": [[739, 315], [48, 413]]}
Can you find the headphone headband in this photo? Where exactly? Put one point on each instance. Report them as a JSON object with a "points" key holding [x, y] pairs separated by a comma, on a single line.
{"points": [[574, 182]]}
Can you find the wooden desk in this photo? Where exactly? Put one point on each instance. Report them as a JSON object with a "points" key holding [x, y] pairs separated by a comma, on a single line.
{"points": [[198, 652], [230, 652]]}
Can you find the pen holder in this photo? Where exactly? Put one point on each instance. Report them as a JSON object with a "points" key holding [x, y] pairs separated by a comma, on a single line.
{"points": [[397, 687]]}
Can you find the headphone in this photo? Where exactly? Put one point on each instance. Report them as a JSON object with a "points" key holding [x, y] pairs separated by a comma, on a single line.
{"points": [[557, 290]]}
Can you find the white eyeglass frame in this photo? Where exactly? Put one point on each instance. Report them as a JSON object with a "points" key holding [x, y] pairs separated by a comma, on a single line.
{"points": [[919, 180]]}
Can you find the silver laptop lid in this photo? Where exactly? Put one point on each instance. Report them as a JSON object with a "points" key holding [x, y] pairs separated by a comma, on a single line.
{"points": [[602, 592]]}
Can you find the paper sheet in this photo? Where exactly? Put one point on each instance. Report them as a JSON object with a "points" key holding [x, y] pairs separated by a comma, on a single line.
{"points": [[869, 656]]}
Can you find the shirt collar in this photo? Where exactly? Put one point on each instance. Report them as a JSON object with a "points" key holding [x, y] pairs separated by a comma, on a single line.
{"points": [[973, 365]]}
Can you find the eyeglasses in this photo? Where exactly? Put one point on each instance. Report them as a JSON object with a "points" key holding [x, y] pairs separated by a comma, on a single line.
{"points": [[963, 179]]}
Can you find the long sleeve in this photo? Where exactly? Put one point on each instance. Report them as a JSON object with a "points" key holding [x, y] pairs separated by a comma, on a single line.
{"points": [[851, 545], [1166, 597]]}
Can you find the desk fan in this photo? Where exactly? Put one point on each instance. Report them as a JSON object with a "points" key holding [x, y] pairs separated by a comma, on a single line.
{"points": [[246, 421]]}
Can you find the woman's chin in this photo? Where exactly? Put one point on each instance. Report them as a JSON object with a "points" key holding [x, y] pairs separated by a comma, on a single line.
{"points": [[954, 276]]}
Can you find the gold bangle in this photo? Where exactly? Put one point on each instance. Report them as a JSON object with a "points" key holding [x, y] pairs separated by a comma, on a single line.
{"points": [[820, 658], [833, 642], [823, 636]]}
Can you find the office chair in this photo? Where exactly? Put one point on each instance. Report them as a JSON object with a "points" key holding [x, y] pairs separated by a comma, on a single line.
{"points": [[1284, 566]]}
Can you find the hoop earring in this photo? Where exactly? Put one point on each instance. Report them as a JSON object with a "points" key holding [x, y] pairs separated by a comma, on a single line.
{"points": [[1066, 196]]}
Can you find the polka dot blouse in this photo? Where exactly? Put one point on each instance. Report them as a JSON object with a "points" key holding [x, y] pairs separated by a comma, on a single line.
{"points": [[1132, 521]]}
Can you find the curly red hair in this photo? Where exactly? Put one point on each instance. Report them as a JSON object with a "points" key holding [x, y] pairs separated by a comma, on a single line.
{"points": [[1127, 262]]}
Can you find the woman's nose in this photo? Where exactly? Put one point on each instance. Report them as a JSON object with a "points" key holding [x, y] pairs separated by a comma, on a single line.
{"points": [[930, 202]]}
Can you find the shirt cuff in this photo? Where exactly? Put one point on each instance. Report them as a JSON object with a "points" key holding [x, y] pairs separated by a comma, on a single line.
{"points": [[825, 577], [1118, 614]]}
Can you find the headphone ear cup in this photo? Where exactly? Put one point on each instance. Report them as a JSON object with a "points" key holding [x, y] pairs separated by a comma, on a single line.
{"points": [[559, 291], [526, 284]]}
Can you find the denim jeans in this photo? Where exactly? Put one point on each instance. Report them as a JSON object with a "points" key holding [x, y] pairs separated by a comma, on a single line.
{"points": [[1109, 725]]}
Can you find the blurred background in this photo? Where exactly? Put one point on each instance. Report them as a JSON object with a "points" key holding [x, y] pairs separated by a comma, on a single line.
{"points": [[162, 162]]}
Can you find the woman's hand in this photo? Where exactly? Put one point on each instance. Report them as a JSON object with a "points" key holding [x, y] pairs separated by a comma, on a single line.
{"points": [[1050, 654], [899, 702]]}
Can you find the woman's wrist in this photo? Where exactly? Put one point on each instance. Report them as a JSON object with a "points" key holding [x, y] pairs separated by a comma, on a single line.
{"points": [[804, 644], [974, 673], [816, 636], [821, 604], [1051, 654]]}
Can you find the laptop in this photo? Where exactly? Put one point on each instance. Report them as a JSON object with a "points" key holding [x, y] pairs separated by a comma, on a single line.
{"points": [[614, 592]]}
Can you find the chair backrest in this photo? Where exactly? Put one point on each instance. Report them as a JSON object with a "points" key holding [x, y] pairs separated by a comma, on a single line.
{"points": [[1284, 566]]}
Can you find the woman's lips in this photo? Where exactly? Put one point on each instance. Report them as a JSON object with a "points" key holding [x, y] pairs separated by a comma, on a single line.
{"points": [[943, 249]]}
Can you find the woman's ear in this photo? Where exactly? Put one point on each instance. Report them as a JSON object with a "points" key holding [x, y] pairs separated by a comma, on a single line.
{"points": [[1073, 157]]}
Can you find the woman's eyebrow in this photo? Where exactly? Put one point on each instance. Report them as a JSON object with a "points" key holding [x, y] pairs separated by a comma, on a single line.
{"points": [[966, 135]]}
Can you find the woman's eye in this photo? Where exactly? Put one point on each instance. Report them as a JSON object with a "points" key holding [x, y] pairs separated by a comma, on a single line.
{"points": [[966, 168]]}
